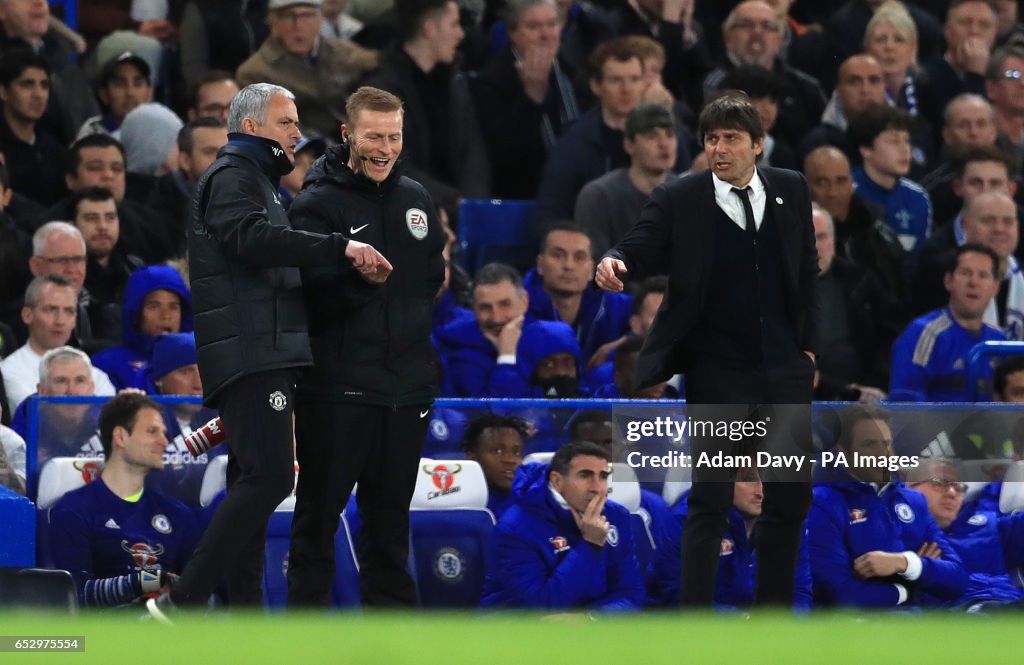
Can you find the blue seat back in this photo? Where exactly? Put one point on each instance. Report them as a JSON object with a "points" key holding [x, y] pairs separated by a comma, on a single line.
{"points": [[495, 230]]}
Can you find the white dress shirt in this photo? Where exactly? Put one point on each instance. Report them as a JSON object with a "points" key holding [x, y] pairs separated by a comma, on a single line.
{"points": [[731, 204]]}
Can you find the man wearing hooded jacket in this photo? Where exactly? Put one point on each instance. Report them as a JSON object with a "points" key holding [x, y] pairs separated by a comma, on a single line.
{"points": [[364, 408], [251, 335]]}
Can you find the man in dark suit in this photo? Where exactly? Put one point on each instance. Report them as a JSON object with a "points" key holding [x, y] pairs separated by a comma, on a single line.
{"points": [[738, 320]]}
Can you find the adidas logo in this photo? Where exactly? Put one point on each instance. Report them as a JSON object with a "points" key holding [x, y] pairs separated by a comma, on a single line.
{"points": [[111, 524]]}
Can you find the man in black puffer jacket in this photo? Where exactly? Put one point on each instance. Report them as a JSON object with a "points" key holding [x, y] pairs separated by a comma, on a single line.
{"points": [[364, 408], [250, 326]]}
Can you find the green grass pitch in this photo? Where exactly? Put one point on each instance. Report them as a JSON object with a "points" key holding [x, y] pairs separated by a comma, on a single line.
{"points": [[449, 638]]}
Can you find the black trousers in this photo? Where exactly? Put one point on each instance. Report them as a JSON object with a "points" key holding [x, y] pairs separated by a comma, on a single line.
{"points": [[338, 446], [257, 415], [718, 390]]}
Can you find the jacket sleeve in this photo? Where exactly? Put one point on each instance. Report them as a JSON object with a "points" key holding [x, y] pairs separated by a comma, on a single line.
{"points": [[808, 272], [908, 381], [1011, 535], [668, 557], [578, 579], [803, 596], [626, 590], [236, 217], [308, 214], [832, 574], [645, 249], [945, 577]]}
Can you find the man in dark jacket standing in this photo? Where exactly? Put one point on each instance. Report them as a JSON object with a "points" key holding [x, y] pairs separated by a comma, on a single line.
{"points": [[740, 320], [364, 409], [250, 326]]}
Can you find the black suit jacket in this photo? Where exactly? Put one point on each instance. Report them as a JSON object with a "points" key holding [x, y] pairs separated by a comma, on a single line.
{"points": [[675, 236]]}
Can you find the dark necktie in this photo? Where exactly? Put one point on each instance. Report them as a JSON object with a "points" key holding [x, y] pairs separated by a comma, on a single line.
{"points": [[748, 210]]}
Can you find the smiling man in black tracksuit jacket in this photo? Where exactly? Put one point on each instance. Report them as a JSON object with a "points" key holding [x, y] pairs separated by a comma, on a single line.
{"points": [[363, 410]]}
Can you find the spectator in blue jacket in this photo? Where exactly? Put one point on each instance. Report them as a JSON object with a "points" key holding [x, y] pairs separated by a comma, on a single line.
{"points": [[988, 543], [156, 302], [561, 288], [872, 540], [122, 542], [929, 358], [496, 442], [562, 545], [881, 135], [737, 566], [495, 353]]}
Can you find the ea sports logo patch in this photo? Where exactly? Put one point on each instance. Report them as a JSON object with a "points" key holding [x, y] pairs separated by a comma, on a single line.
{"points": [[613, 535], [449, 566], [977, 520], [905, 513], [161, 523], [416, 221]]}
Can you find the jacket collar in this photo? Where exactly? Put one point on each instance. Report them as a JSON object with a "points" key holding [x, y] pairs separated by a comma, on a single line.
{"points": [[268, 156]]}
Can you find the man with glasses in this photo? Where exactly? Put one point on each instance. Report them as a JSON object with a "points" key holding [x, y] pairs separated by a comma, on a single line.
{"points": [[872, 540], [753, 36], [1004, 86], [212, 94], [321, 71], [988, 543]]}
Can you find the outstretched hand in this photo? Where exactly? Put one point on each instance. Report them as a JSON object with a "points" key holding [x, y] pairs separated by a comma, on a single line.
{"points": [[606, 276], [370, 263]]}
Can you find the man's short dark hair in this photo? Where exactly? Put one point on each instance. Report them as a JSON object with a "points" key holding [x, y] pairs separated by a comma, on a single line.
{"points": [[633, 344], [853, 414], [95, 194], [480, 424], [496, 273], [122, 411], [566, 226], [570, 451], [1011, 365], [620, 49], [73, 157], [643, 118], [207, 77], [730, 110], [187, 134], [866, 125], [587, 417], [953, 4], [14, 63], [653, 284], [967, 154], [757, 82], [412, 13], [968, 248]]}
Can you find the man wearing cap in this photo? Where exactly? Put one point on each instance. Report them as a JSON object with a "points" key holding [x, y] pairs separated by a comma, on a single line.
{"points": [[320, 71], [609, 206], [123, 84]]}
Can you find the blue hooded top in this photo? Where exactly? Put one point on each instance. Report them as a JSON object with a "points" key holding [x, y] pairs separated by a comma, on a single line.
{"points": [[471, 361], [848, 519], [122, 363], [540, 560], [989, 544], [603, 316]]}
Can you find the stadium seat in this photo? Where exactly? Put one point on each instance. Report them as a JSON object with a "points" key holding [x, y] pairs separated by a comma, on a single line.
{"points": [[36, 589], [1011, 497], [677, 482], [59, 476], [496, 230], [624, 489], [214, 480], [540, 458], [980, 360], [451, 530]]}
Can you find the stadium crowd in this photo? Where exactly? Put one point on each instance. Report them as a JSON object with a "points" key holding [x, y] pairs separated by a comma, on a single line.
{"points": [[906, 118]]}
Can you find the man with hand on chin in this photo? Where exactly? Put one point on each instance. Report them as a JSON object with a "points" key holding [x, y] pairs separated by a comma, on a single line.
{"points": [[251, 338], [364, 408], [737, 243], [561, 544]]}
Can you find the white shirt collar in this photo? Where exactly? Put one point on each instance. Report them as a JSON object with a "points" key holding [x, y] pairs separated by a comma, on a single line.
{"points": [[724, 189]]}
